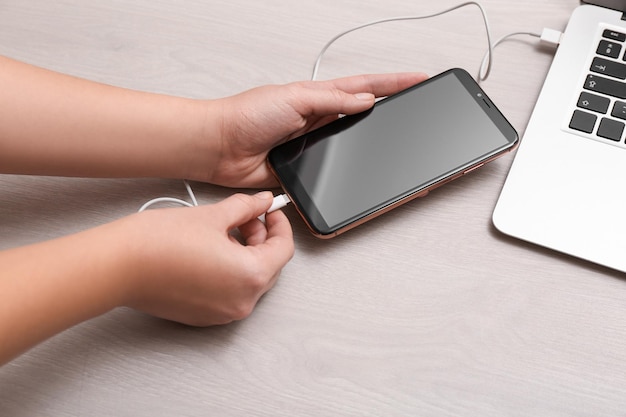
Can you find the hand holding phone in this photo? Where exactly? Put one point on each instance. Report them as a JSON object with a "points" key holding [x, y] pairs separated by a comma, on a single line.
{"points": [[363, 165]]}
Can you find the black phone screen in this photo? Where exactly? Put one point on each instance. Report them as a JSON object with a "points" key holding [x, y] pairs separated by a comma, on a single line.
{"points": [[359, 164]]}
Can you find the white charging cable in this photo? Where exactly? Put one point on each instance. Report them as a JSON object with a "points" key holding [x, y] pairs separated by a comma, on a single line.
{"points": [[549, 37], [278, 202], [402, 18], [154, 201]]}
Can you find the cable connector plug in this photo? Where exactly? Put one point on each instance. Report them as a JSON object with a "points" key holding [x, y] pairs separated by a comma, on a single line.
{"points": [[550, 38], [279, 202]]}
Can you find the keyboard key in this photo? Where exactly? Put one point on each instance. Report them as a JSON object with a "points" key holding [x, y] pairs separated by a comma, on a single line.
{"points": [[610, 68], [605, 86], [610, 129], [608, 48], [611, 34], [593, 102], [619, 110], [583, 121]]}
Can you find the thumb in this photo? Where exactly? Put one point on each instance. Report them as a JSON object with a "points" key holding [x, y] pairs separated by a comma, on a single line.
{"points": [[240, 208], [329, 100], [361, 102]]}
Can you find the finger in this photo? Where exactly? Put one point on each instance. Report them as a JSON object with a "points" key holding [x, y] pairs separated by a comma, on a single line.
{"points": [[278, 225], [278, 248], [253, 232], [239, 209], [349, 95], [328, 101], [378, 84], [273, 253]]}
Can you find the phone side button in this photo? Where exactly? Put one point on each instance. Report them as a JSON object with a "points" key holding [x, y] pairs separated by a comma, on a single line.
{"points": [[473, 169]]}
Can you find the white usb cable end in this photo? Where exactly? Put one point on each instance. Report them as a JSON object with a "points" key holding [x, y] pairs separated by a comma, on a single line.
{"points": [[550, 38], [279, 202]]}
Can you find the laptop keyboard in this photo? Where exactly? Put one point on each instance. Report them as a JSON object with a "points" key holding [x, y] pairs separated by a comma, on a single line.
{"points": [[601, 106]]}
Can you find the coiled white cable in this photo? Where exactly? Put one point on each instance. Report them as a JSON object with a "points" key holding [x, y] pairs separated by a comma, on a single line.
{"points": [[279, 201], [154, 201], [402, 18]]}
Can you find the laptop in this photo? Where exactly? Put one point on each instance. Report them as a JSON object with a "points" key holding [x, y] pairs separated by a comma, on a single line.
{"points": [[566, 189]]}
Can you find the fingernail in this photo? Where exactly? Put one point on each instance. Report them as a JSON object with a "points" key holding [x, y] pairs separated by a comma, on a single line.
{"points": [[364, 96], [264, 195]]}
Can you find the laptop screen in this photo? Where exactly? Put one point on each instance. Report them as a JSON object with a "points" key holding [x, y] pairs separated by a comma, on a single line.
{"points": [[611, 4]]}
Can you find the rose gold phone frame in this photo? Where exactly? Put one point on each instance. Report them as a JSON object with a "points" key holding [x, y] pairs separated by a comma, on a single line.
{"points": [[422, 193]]}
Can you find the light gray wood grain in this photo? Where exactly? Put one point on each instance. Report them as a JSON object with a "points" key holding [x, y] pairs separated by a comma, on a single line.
{"points": [[426, 311]]}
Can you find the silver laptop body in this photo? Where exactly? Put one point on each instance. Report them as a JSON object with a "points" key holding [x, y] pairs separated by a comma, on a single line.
{"points": [[566, 189]]}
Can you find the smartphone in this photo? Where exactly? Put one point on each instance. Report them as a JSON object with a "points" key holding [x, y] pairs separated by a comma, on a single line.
{"points": [[363, 165]]}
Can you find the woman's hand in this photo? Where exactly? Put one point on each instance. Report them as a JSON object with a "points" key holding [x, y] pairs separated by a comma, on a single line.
{"points": [[90, 129], [207, 265], [182, 264], [255, 121]]}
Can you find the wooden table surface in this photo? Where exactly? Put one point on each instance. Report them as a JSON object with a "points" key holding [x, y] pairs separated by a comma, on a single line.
{"points": [[425, 311]]}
